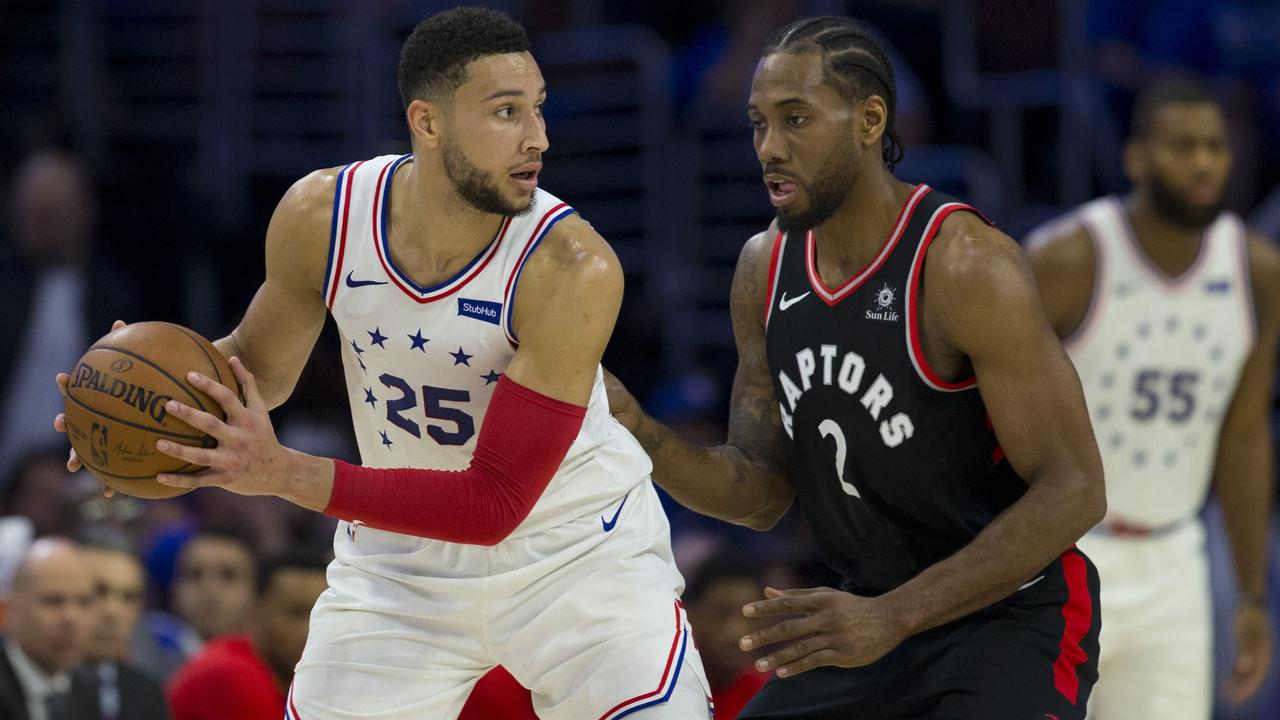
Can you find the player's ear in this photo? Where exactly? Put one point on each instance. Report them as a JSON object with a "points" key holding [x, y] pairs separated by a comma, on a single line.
{"points": [[426, 121], [873, 115]]}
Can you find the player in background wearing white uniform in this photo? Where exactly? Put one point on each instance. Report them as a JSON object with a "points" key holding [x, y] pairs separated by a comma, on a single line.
{"points": [[473, 309], [1170, 310]]}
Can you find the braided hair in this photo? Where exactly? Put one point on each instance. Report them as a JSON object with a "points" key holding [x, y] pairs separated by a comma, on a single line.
{"points": [[855, 65]]}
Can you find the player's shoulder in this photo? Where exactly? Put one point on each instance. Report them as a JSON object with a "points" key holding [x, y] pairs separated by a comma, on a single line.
{"points": [[573, 254], [310, 198], [303, 217], [969, 252], [1264, 269], [757, 252], [1060, 245], [1264, 256]]}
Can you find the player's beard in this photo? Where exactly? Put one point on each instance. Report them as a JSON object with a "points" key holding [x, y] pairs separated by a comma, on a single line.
{"points": [[477, 188], [831, 185], [1177, 210]]}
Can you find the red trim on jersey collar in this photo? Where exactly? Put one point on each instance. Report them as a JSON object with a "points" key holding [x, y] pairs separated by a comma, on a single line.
{"points": [[773, 277], [914, 348], [831, 297]]}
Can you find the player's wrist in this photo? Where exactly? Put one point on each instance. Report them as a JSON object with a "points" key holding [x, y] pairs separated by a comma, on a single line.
{"points": [[307, 480]]}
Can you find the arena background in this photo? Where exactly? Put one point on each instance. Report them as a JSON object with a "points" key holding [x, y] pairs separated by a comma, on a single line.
{"points": [[194, 116]]}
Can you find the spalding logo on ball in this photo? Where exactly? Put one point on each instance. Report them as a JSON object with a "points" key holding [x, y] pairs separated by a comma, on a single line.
{"points": [[115, 404]]}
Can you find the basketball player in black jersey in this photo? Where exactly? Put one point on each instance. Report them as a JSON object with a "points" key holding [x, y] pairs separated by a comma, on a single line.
{"points": [[898, 380]]}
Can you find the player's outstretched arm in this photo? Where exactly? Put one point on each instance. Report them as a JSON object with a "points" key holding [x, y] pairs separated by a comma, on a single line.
{"points": [[279, 330], [1243, 475], [982, 298], [744, 480]]}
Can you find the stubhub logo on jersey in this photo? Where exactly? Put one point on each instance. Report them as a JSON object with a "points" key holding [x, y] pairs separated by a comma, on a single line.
{"points": [[484, 310]]}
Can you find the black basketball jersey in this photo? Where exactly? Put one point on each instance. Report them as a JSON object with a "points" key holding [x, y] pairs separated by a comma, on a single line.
{"points": [[894, 467]]}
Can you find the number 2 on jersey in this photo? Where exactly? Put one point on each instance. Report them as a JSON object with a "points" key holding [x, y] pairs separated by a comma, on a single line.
{"points": [[831, 429], [433, 398]]}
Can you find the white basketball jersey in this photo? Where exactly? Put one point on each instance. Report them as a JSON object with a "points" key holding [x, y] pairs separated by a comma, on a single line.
{"points": [[1160, 359], [421, 363]]}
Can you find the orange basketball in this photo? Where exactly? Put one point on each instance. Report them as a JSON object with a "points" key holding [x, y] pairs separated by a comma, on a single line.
{"points": [[115, 404]]}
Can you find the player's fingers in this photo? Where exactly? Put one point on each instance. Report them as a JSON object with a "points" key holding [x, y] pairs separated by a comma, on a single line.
{"points": [[785, 630], [204, 478], [73, 461], [780, 605], [197, 419], [60, 422], [117, 325], [62, 379], [821, 658], [107, 490], [791, 653], [772, 593], [194, 455], [248, 385], [226, 398]]}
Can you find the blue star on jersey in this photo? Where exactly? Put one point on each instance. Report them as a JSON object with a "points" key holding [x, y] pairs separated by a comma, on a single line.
{"points": [[492, 377], [419, 342], [377, 338], [385, 440], [359, 350], [461, 357], [369, 398]]}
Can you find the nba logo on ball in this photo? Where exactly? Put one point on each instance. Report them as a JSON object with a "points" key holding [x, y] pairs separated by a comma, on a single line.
{"points": [[99, 447]]}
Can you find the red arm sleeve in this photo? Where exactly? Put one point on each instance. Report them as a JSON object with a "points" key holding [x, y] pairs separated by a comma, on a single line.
{"points": [[522, 442]]}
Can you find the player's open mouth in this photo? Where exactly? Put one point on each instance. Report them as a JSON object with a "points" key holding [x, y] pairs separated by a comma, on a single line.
{"points": [[526, 180], [526, 176], [781, 191]]}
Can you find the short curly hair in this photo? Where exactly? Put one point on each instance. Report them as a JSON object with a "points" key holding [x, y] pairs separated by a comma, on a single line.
{"points": [[433, 60]]}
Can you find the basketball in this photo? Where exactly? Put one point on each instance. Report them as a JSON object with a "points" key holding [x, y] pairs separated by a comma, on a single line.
{"points": [[115, 404]]}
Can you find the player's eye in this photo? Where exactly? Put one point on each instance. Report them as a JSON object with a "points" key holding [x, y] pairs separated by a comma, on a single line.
{"points": [[506, 112], [797, 120]]}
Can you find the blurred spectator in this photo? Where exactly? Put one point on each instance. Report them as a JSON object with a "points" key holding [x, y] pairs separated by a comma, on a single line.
{"points": [[714, 600], [40, 489], [50, 611], [16, 534], [245, 677], [53, 303], [212, 595], [124, 692], [213, 591]]}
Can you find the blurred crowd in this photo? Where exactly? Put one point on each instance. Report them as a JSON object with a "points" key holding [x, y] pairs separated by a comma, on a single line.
{"points": [[197, 607]]}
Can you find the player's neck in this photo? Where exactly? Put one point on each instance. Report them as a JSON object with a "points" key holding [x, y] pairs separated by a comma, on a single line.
{"points": [[1172, 246], [857, 231], [431, 230]]}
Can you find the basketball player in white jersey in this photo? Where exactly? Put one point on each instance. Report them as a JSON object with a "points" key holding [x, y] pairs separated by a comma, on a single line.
{"points": [[501, 515], [1170, 309]]}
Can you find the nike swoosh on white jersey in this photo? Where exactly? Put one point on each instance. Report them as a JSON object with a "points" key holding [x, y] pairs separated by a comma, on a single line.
{"points": [[784, 303]]}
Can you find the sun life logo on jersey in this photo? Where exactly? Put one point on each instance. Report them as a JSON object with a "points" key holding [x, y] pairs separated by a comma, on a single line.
{"points": [[883, 309]]}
